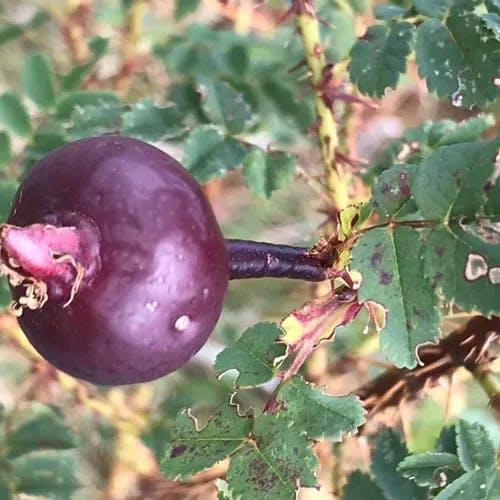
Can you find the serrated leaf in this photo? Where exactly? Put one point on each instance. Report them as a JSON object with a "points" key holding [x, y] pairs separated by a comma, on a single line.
{"points": [[8, 188], [271, 468], [191, 451], [254, 355], [5, 152], [432, 8], [474, 485], [95, 120], [68, 102], [266, 172], [446, 441], [148, 122], [45, 473], [451, 181], [389, 452], [465, 267], [13, 114], [359, 484], [389, 261], [185, 7], [38, 81], [392, 193], [319, 414], [459, 58], [40, 427], [379, 58], [474, 446], [224, 105], [430, 469], [208, 153]]}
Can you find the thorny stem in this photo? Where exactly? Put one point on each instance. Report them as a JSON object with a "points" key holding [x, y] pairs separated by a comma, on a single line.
{"points": [[308, 25]]}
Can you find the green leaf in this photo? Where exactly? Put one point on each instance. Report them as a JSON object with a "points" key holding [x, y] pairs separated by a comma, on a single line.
{"points": [[44, 140], [359, 484], [8, 189], [13, 114], [185, 7], [338, 32], [68, 102], [432, 8], [447, 440], [389, 260], [148, 122], [192, 451], [475, 449], [272, 466], [378, 59], [474, 485], [95, 120], [266, 172], [5, 295], [5, 153], [458, 58], [224, 105], [430, 469], [40, 427], [38, 81], [467, 131], [45, 473], [451, 182], [5, 488], [254, 355], [318, 414], [10, 32], [386, 12], [492, 206], [392, 192], [209, 154], [389, 452], [465, 267]]}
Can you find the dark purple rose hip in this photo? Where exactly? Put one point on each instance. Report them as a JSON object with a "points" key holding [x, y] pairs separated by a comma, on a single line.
{"points": [[118, 266]]}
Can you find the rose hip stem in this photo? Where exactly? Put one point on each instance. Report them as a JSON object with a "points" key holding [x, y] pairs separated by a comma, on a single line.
{"points": [[254, 259]]}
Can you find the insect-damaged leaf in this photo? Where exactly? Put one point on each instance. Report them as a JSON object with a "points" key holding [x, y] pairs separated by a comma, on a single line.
{"points": [[253, 355], [192, 450], [271, 467], [389, 261]]}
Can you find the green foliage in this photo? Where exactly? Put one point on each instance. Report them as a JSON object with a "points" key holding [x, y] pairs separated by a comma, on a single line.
{"points": [[37, 454], [255, 355], [185, 7], [393, 276], [38, 81], [379, 58], [13, 114], [5, 150]]}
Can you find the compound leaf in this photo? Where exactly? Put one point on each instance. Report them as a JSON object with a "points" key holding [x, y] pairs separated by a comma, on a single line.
{"points": [[38, 81], [68, 102], [253, 355], [389, 261], [266, 172], [379, 58], [271, 467], [191, 450], [319, 414], [430, 469]]}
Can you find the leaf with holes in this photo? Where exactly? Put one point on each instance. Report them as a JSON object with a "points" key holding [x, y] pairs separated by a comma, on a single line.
{"points": [[271, 467], [379, 58], [319, 414], [254, 355], [459, 58], [389, 261], [192, 450], [266, 172], [465, 266], [209, 153]]}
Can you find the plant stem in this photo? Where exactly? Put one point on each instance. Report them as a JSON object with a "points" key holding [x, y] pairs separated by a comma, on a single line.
{"points": [[308, 25], [253, 259], [490, 383]]}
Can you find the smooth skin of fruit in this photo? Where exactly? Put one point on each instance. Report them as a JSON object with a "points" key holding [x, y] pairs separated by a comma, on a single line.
{"points": [[155, 267]]}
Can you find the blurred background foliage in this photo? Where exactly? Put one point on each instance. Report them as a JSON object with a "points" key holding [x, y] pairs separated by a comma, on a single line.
{"points": [[113, 65]]}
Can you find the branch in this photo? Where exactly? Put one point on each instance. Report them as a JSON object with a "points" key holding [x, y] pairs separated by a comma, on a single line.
{"points": [[308, 26]]}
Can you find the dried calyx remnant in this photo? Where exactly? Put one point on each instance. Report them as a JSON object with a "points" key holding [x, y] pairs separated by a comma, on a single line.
{"points": [[43, 261]]}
